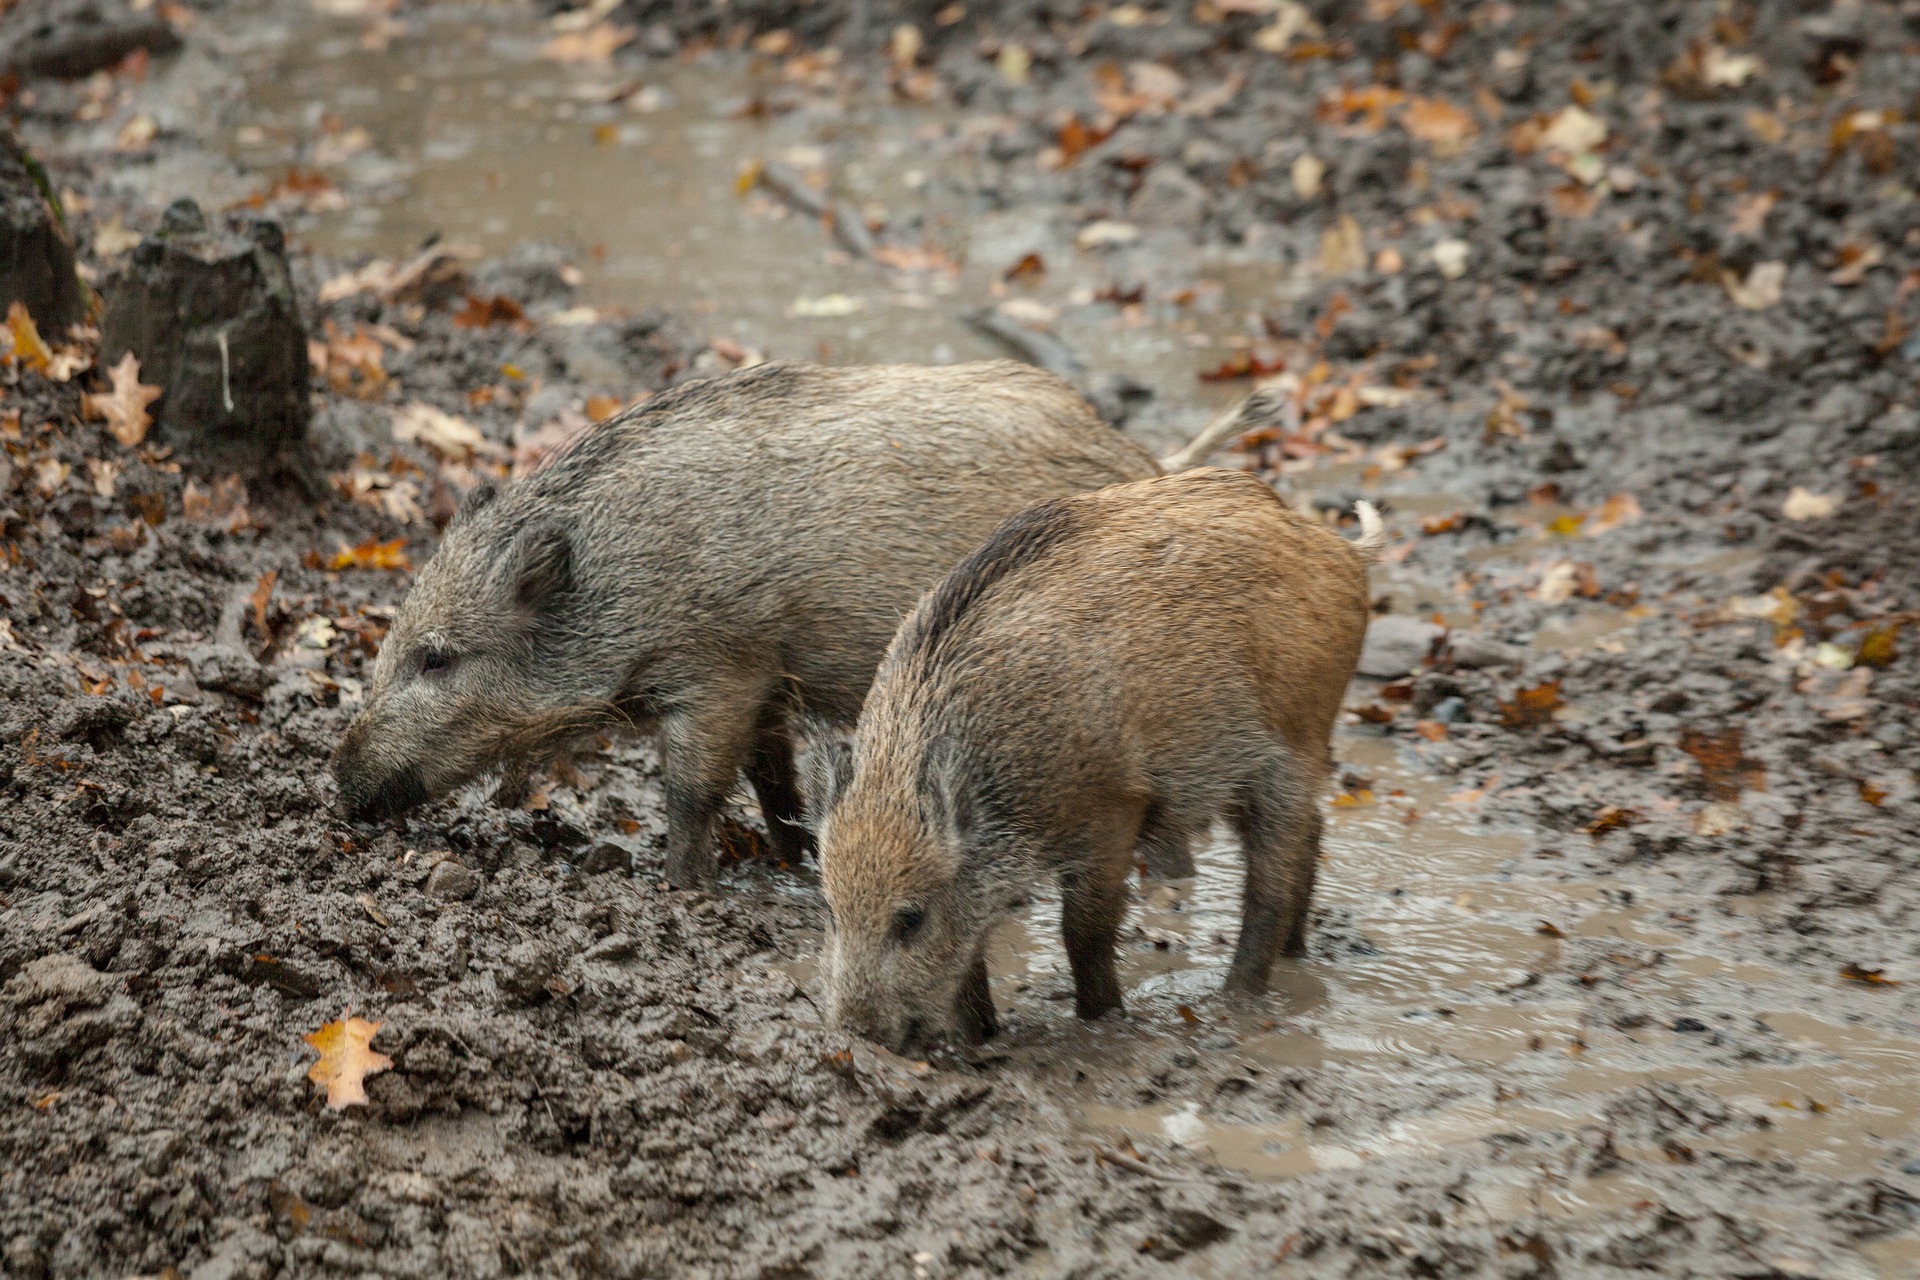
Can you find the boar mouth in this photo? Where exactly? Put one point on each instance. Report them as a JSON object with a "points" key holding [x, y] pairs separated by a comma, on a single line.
{"points": [[367, 799]]}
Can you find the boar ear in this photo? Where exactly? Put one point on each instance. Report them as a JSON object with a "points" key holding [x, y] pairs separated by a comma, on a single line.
{"points": [[829, 768], [477, 497], [542, 566], [951, 789]]}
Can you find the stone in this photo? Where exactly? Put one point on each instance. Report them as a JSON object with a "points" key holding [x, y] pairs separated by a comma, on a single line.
{"points": [[1475, 652], [211, 315], [1396, 645], [36, 254], [1168, 198], [606, 856], [452, 880]]}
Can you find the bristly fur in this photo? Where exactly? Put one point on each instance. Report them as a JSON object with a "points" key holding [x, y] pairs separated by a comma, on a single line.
{"points": [[1018, 543]]}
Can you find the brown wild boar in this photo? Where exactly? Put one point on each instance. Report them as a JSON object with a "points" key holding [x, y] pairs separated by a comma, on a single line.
{"points": [[734, 552], [1108, 670]]}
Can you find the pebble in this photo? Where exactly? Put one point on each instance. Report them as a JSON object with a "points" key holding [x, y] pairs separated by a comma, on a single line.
{"points": [[449, 879]]}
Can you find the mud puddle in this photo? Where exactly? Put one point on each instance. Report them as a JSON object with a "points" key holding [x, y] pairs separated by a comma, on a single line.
{"points": [[458, 126]]}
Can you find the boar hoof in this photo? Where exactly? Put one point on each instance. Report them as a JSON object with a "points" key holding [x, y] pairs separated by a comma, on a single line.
{"points": [[687, 870]]}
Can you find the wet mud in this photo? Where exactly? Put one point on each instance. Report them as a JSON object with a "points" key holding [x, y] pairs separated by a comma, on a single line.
{"points": [[1613, 964]]}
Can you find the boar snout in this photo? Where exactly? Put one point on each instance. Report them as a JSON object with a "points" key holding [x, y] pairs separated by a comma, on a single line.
{"points": [[369, 788]]}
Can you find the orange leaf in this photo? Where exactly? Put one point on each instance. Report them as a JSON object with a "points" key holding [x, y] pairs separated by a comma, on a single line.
{"points": [[1724, 765], [28, 348], [1871, 977], [373, 554], [263, 596], [1877, 648], [346, 1060], [1621, 508], [600, 408], [481, 312], [1531, 707], [1439, 122]]}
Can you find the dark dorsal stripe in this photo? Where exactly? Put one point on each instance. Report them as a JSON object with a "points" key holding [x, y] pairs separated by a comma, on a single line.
{"points": [[1019, 542]]}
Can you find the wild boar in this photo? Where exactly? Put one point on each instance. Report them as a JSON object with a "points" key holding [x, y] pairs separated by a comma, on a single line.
{"points": [[733, 553], [1109, 670]]}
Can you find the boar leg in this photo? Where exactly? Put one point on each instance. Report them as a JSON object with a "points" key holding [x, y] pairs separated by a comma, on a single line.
{"points": [[701, 751], [973, 1010], [770, 770], [1167, 852], [1091, 907], [1280, 838]]}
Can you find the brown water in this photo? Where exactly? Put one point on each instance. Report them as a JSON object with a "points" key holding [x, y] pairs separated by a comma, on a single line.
{"points": [[460, 127], [1450, 929]]}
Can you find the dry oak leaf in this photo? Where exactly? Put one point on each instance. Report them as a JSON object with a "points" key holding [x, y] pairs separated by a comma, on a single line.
{"points": [[125, 407], [346, 1060], [28, 348], [373, 554], [595, 45], [1437, 121]]}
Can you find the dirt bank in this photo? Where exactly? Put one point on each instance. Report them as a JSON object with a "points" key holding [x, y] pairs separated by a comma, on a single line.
{"points": [[1614, 973]]}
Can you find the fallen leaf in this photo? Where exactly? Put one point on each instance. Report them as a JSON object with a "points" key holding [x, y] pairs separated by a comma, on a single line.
{"points": [[1187, 1015], [1873, 795], [1724, 69], [418, 422], [260, 599], [1725, 768], [113, 239], [1620, 509], [1431, 730], [913, 258], [1440, 123], [1611, 818], [1762, 287], [1750, 214], [1557, 583], [1766, 126], [50, 475], [224, 504], [374, 913], [1106, 234], [124, 407], [482, 312], [1343, 247], [1451, 257], [595, 45], [1802, 504], [1575, 130], [830, 305], [1076, 138], [1290, 19], [373, 554], [1208, 101], [1855, 261], [1014, 63], [1877, 646], [600, 408], [1871, 977], [346, 1060], [1028, 269], [1720, 818], [1531, 707], [135, 134], [1389, 262], [27, 347], [1308, 172], [104, 475]]}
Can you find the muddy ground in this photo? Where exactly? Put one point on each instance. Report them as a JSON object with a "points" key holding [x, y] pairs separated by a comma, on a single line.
{"points": [[1615, 967]]}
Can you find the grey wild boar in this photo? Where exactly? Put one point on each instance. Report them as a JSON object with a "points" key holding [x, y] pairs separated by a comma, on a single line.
{"points": [[1109, 670], [734, 553]]}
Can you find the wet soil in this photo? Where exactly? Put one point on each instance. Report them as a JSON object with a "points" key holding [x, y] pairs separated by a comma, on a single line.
{"points": [[1614, 962]]}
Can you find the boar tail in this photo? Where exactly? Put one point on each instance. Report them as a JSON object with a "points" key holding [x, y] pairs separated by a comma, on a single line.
{"points": [[1373, 533], [1250, 414]]}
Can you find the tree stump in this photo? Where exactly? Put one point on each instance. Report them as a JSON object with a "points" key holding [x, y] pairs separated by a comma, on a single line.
{"points": [[211, 316], [69, 39], [36, 257]]}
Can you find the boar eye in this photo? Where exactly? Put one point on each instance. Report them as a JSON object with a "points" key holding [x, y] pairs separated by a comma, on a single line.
{"points": [[907, 922], [435, 662]]}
